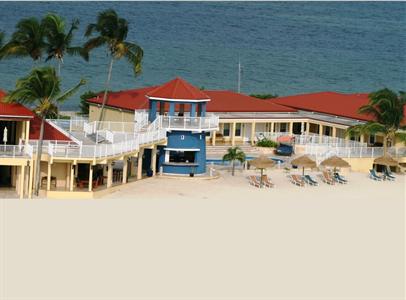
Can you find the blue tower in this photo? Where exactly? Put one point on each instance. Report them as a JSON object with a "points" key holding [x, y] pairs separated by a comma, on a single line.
{"points": [[180, 108]]}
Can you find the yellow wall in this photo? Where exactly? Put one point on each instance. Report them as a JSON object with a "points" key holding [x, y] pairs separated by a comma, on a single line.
{"points": [[110, 114], [58, 170]]}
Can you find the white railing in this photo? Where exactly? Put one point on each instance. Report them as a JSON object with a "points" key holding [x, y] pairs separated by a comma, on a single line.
{"points": [[190, 123], [60, 126], [304, 139], [15, 151], [114, 126], [140, 119]]}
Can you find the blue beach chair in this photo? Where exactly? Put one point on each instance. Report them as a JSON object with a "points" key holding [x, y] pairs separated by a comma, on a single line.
{"points": [[309, 180], [388, 174], [340, 179], [373, 175]]}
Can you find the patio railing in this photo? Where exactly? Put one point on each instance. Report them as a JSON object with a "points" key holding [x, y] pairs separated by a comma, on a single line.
{"points": [[16, 151]]}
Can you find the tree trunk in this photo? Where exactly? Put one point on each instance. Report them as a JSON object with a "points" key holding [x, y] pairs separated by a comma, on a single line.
{"points": [[38, 162], [385, 145], [59, 76], [105, 90], [232, 168]]}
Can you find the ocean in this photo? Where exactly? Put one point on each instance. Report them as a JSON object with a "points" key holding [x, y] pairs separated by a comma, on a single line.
{"points": [[284, 47]]}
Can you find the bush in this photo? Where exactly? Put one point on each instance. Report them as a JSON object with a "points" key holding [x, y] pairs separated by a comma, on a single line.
{"points": [[267, 143]]}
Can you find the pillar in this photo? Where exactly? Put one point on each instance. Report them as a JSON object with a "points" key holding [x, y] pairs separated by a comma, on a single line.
{"points": [[22, 181], [109, 174], [152, 110], [272, 127], [67, 179], [27, 132], [139, 167], [334, 131], [171, 109], [125, 169], [203, 109], [213, 138], [233, 134], [301, 127], [307, 128], [90, 177], [253, 133], [49, 177], [290, 128], [362, 138], [193, 110], [72, 176], [153, 160], [31, 179]]}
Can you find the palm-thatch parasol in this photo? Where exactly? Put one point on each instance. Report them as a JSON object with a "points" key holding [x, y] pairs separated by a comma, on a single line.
{"points": [[304, 161], [335, 162], [262, 162], [386, 160]]}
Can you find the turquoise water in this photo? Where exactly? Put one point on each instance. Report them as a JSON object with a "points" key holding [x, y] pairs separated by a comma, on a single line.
{"points": [[248, 158], [285, 48]]}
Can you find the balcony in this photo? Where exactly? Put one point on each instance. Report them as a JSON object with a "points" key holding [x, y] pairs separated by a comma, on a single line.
{"points": [[190, 123], [16, 151]]}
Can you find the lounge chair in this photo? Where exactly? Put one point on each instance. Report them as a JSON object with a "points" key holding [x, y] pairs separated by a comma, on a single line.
{"points": [[373, 175], [326, 177], [253, 181], [388, 174], [267, 182], [309, 180], [340, 179], [297, 180]]}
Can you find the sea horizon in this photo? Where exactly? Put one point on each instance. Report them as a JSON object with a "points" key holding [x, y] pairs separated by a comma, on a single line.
{"points": [[284, 48]]}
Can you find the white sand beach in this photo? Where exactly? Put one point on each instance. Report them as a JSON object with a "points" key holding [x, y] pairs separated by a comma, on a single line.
{"points": [[163, 238]]}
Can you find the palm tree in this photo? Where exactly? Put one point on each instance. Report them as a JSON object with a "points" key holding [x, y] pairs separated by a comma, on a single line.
{"points": [[27, 40], [234, 154], [112, 32], [58, 42], [41, 88], [387, 109]]}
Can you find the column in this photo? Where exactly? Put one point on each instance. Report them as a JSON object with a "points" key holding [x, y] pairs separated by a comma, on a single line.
{"points": [[171, 109], [109, 174], [72, 176], [203, 109], [233, 134], [90, 177], [27, 132], [307, 128], [272, 127], [153, 160], [253, 133], [22, 181], [213, 138], [139, 167], [290, 128], [301, 127], [152, 110], [320, 133], [193, 110], [334, 131], [31, 178], [49, 177], [362, 138], [125, 169], [67, 179]]}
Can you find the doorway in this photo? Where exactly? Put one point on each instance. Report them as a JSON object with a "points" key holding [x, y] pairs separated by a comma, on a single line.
{"points": [[5, 176]]}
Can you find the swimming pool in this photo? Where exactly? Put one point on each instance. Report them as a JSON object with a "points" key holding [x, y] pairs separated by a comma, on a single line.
{"points": [[237, 163]]}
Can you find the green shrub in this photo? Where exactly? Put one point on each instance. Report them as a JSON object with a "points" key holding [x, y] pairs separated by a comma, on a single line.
{"points": [[267, 143]]}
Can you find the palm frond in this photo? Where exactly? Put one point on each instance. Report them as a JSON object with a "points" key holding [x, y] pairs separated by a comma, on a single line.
{"points": [[70, 92], [94, 43], [134, 55]]}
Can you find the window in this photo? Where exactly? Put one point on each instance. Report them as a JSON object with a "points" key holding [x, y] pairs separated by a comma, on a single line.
{"points": [[283, 127], [238, 129], [226, 129], [372, 139], [182, 156]]}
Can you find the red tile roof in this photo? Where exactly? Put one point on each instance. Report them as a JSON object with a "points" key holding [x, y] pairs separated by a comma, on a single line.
{"points": [[16, 109], [220, 101], [227, 101], [13, 109], [344, 105], [178, 89], [131, 99]]}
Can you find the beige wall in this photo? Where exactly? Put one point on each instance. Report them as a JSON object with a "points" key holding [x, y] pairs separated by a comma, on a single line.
{"points": [[110, 114], [58, 170]]}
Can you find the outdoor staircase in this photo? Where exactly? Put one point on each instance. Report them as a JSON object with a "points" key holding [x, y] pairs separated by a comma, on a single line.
{"points": [[219, 151]]}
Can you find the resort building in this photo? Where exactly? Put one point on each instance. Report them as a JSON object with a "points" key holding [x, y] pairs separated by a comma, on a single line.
{"points": [[170, 129]]}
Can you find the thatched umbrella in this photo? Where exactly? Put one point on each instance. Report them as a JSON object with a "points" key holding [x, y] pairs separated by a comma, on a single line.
{"points": [[262, 162], [386, 160], [335, 162], [304, 162]]}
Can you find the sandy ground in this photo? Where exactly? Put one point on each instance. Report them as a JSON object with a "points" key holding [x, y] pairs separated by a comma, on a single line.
{"points": [[209, 239]]}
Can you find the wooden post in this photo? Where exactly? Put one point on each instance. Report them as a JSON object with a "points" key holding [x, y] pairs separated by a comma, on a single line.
{"points": [[125, 169], [213, 138], [253, 133], [27, 132], [90, 177], [139, 166], [30, 178], [153, 160], [49, 177], [22, 181], [233, 134]]}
